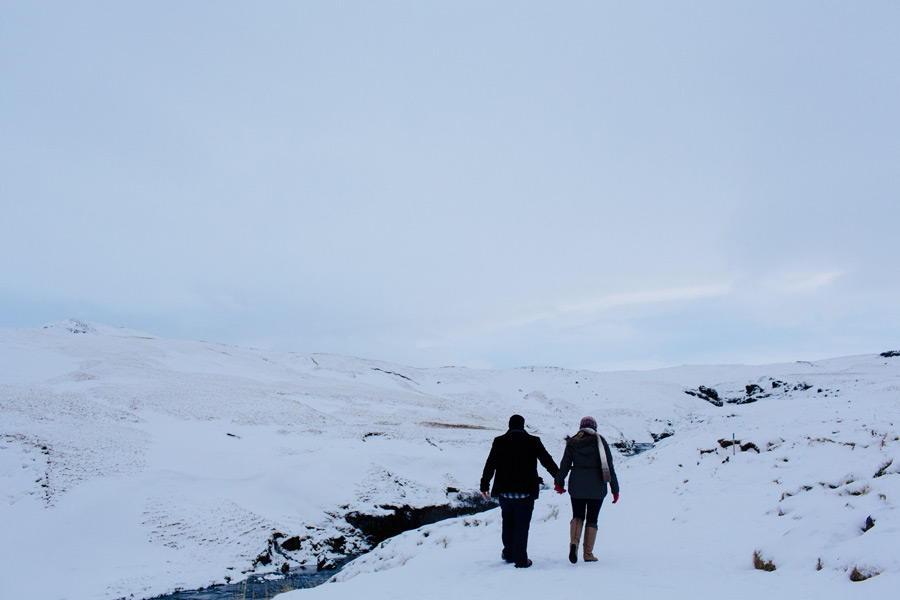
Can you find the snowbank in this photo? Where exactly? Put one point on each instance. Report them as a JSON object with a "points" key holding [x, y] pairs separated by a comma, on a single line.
{"points": [[131, 466]]}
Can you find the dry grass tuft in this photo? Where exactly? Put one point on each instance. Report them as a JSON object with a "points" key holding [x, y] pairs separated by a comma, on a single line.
{"points": [[761, 564], [862, 575], [452, 425]]}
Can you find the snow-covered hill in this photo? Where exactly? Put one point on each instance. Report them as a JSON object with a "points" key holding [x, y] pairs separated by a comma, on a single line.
{"points": [[130, 466]]}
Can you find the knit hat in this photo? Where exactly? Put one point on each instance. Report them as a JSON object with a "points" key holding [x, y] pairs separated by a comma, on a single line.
{"points": [[588, 423], [517, 422]]}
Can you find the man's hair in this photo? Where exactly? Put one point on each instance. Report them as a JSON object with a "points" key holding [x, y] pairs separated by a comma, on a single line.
{"points": [[517, 422]]}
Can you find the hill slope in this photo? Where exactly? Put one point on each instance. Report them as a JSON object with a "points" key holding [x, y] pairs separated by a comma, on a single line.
{"points": [[132, 466]]}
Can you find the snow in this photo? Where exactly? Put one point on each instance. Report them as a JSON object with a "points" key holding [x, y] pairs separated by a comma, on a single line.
{"points": [[131, 466]]}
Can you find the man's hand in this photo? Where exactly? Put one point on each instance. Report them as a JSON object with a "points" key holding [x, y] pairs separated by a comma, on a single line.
{"points": [[615, 498], [485, 496], [559, 489]]}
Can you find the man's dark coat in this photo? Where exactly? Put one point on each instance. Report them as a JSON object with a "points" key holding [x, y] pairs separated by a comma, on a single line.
{"points": [[513, 458]]}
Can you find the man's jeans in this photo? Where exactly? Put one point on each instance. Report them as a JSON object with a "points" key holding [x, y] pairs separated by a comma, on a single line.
{"points": [[516, 513]]}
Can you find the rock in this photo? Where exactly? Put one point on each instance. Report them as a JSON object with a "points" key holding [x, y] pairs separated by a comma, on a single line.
{"points": [[744, 447], [706, 393], [753, 392], [378, 528], [870, 523], [745, 400], [661, 436], [337, 544], [749, 446], [292, 544]]}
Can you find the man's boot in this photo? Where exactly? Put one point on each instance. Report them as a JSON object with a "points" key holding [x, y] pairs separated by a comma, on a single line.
{"points": [[574, 538], [590, 536]]}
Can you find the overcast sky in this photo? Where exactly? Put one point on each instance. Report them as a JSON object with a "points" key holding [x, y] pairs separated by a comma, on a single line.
{"points": [[492, 184]]}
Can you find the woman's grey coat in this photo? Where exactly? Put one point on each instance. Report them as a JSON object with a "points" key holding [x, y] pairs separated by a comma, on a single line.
{"points": [[582, 458]]}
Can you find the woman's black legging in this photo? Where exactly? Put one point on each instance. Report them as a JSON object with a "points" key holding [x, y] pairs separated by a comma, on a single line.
{"points": [[587, 510]]}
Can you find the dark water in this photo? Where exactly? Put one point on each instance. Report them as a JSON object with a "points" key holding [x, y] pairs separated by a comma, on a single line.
{"points": [[632, 448], [258, 587], [375, 527]]}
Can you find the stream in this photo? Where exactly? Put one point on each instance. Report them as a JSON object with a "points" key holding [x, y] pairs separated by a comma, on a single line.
{"points": [[260, 587], [375, 528]]}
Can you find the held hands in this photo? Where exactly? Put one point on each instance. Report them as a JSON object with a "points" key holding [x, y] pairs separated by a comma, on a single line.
{"points": [[559, 489], [615, 498]]}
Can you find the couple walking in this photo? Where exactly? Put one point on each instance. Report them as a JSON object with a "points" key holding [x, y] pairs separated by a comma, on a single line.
{"points": [[512, 463]]}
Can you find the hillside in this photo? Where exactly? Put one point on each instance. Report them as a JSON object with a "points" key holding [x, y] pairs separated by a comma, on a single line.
{"points": [[131, 466]]}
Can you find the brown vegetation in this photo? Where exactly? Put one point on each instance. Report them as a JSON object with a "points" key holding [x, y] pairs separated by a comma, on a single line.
{"points": [[762, 565], [453, 425], [862, 575]]}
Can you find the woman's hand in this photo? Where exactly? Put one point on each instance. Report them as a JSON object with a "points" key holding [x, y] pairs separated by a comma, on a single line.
{"points": [[559, 489], [615, 498]]}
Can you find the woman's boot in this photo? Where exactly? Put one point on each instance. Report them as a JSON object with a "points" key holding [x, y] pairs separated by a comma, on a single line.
{"points": [[574, 538], [590, 536]]}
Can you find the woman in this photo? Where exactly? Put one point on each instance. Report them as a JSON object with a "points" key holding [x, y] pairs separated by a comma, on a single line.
{"points": [[589, 459]]}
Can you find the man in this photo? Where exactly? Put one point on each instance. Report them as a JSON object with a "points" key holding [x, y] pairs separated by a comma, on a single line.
{"points": [[513, 459]]}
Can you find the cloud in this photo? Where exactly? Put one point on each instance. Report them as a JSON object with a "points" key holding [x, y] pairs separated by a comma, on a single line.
{"points": [[573, 319], [597, 305], [794, 283]]}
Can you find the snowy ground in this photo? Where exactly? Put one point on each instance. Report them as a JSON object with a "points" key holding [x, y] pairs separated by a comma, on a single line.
{"points": [[131, 466]]}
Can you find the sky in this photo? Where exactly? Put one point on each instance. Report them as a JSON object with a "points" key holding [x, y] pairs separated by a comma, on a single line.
{"points": [[599, 185]]}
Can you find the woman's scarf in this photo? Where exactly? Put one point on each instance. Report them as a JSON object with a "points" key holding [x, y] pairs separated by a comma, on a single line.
{"points": [[601, 446]]}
